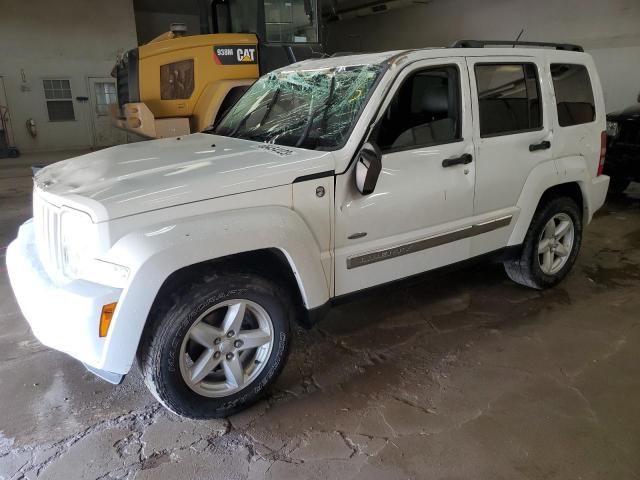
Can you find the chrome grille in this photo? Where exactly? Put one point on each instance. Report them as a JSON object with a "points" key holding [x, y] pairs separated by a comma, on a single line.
{"points": [[46, 220]]}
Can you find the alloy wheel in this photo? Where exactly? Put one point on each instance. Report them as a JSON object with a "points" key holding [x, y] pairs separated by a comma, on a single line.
{"points": [[556, 243], [226, 348]]}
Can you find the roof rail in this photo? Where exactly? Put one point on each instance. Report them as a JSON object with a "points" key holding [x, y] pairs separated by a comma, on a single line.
{"points": [[484, 43]]}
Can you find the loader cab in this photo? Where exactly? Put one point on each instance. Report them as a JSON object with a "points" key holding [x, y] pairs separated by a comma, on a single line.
{"points": [[287, 31], [275, 21]]}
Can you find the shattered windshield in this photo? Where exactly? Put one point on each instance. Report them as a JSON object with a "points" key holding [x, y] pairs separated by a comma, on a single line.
{"points": [[311, 109]]}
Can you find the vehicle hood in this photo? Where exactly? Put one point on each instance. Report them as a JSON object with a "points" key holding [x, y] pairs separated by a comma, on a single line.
{"points": [[630, 113], [150, 175]]}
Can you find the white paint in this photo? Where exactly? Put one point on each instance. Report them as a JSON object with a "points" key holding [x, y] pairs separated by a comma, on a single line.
{"points": [[114, 183], [211, 205], [415, 197], [68, 39], [609, 30]]}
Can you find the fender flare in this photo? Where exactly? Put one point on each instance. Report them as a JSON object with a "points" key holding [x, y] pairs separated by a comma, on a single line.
{"points": [[154, 255], [544, 176]]}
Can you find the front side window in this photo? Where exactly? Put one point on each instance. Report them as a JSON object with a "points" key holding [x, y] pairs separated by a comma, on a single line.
{"points": [[57, 94], [313, 109], [574, 95], [424, 111], [508, 98]]}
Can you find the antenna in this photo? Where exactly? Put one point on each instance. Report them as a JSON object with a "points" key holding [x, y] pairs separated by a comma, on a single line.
{"points": [[518, 37]]}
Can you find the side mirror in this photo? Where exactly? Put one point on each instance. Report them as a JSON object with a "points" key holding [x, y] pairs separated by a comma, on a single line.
{"points": [[638, 99], [368, 168]]}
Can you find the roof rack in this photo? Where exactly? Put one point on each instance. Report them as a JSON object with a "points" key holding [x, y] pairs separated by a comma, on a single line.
{"points": [[483, 43]]}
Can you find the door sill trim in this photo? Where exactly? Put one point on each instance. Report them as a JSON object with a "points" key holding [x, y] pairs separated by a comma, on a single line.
{"points": [[426, 243]]}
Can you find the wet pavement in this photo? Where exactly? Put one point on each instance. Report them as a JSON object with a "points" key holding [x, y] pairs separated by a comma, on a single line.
{"points": [[459, 374]]}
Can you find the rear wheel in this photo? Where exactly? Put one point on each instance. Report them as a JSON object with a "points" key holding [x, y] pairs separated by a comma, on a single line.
{"points": [[550, 247], [215, 348]]}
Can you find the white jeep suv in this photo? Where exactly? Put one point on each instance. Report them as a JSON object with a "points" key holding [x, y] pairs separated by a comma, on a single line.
{"points": [[194, 255]]}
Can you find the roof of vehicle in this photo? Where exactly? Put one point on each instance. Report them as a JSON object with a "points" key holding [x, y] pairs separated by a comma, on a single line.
{"points": [[475, 50]]}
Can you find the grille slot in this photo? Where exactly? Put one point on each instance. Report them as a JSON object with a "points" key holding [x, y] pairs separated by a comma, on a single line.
{"points": [[46, 219]]}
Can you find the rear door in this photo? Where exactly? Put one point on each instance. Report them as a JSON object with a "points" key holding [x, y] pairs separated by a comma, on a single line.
{"points": [[512, 135]]}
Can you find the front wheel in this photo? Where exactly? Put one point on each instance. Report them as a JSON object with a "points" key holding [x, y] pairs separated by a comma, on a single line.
{"points": [[215, 348], [550, 247]]}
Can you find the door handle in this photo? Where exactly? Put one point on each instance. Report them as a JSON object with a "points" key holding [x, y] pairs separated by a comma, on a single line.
{"points": [[463, 159], [543, 145]]}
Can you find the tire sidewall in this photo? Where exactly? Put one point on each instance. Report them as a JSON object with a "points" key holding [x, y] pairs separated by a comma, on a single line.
{"points": [[552, 208], [169, 384]]}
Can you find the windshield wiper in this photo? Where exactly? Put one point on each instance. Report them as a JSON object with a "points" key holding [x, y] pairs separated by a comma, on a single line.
{"points": [[266, 114], [316, 112]]}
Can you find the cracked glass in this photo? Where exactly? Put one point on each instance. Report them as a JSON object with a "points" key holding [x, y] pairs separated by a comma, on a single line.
{"points": [[313, 109]]}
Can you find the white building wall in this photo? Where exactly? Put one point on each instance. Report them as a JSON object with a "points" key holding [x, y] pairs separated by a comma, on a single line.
{"points": [[72, 39], [609, 30]]}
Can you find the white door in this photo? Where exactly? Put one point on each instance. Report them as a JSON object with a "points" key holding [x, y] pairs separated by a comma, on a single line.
{"points": [[513, 134], [419, 215], [102, 94]]}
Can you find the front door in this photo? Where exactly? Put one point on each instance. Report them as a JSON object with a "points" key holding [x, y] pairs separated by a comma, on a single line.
{"points": [[102, 94], [419, 215]]}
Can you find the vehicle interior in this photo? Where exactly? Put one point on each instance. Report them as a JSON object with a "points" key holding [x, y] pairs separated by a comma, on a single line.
{"points": [[424, 111]]}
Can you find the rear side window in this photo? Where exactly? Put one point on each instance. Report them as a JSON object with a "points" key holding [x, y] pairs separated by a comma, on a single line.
{"points": [[574, 95], [508, 98]]}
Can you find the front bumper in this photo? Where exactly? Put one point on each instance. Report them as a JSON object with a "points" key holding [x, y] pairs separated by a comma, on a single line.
{"points": [[62, 317]]}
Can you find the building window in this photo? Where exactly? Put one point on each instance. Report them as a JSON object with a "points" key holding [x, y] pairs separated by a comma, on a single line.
{"points": [[59, 102], [574, 95], [105, 95], [508, 98]]}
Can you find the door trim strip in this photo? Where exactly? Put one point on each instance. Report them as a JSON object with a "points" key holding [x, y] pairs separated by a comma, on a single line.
{"points": [[426, 243]]}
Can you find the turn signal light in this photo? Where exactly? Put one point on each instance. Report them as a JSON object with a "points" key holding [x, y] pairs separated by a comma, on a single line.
{"points": [[105, 318], [603, 152]]}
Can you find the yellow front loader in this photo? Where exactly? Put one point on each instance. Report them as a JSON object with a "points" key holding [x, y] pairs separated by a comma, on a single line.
{"points": [[179, 83]]}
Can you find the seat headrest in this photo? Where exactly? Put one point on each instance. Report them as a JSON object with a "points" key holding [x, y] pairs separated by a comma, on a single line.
{"points": [[436, 100]]}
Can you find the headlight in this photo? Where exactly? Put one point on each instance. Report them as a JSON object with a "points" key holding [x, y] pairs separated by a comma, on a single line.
{"points": [[612, 129], [78, 246], [75, 241]]}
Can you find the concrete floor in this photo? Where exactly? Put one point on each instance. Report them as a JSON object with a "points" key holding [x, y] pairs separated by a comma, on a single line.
{"points": [[457, 375]]}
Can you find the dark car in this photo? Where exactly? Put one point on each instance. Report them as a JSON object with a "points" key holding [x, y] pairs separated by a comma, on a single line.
{"points": [[623, 148]]}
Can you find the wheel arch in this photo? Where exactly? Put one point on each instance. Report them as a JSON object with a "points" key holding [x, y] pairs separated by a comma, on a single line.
{"points": [[273, 241], [567, 176], [271, 263]]}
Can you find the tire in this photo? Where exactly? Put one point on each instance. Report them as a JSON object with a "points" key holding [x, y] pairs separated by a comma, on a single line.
{"points": [[618, 185], [529, 268], [168, 356]]}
